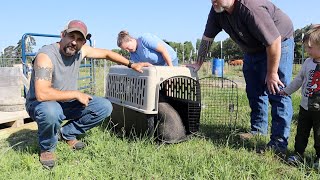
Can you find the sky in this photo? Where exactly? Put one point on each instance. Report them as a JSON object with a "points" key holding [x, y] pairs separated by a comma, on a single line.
{"points": [[172, 20]]}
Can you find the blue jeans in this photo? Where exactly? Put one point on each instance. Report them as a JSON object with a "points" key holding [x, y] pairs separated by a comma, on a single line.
{"points": [[255, 70], [50, 114]]}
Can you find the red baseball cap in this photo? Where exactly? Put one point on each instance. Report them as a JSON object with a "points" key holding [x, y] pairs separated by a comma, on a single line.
{"points": [[77, 25]]}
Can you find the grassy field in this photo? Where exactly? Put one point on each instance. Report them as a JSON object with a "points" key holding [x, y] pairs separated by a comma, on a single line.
{"points": [[214, 153]]}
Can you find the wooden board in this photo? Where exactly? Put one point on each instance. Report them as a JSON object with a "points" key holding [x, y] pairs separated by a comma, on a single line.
{"points": [[13, 119]]}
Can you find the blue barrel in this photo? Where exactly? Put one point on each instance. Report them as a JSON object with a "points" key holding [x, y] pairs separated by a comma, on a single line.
{"points": [[217, 67]]}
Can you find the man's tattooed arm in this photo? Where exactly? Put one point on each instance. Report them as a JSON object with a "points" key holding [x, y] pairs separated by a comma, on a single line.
{"points": [[203, 50], [42, 73], [202, 53]]}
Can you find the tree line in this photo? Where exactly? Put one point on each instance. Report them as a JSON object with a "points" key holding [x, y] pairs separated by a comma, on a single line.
{"points": [[186, 51], [228, 49]]}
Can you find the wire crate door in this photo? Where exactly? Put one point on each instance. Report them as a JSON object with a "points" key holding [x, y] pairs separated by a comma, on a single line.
{"points": [[219, 101]]}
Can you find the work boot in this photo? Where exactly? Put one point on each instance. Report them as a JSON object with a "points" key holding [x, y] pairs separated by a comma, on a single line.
{"points": [[75, 144], [246, 136], [47, 159]]}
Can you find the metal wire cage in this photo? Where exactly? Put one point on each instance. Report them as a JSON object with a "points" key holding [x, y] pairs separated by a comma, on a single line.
{"points": [[219, 101]]}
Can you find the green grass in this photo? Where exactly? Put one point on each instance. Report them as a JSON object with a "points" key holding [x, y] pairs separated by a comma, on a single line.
{"points": [[214, 153], [232, 72]]}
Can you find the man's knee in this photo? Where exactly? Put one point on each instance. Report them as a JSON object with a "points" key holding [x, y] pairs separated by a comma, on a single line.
{"points": [[104, 107], [107, 106], [49, 111]]}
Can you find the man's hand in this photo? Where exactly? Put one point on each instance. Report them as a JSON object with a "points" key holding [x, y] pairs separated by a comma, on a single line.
{"points": [[283, 93], [83, 98], [138, 66], [273, 82], [273, 59]]}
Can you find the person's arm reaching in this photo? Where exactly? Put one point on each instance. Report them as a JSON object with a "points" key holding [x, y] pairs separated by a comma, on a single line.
{"points": [[297, 82], [97, 53], [273, 59], [202, 52]]}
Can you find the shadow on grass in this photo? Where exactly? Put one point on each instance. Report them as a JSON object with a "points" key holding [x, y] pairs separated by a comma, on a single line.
{"points": [[223, 135], [141, 134], [127, 134], [219, 134], [25, 140]]}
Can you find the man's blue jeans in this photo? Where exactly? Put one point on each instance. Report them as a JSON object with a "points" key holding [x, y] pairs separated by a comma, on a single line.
{"points": [[255, 70], [50, 114]]}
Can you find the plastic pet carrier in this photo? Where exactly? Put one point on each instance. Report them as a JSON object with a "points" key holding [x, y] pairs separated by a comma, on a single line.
{"points": [[164, 102]]}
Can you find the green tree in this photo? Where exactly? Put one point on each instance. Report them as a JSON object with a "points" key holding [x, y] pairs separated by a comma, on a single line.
{"points": [[16, 51], [124, 53], [231, 50], [214, 51], [298, 49], [178, 47], [10, 52], [29, 43], [187, 51]]}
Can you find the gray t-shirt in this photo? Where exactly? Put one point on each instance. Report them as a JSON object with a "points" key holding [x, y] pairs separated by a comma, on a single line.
{"points": [[65, 70], [253, 24]]}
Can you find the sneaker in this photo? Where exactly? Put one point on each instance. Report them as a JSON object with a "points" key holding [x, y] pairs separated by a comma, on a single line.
{"points": [[280, 152], [295, 159], [47, 159], [75, 144], [316, 162]]}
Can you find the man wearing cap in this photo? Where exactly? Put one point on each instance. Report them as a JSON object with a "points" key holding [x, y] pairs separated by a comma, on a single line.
{"points": [[53, 95]]}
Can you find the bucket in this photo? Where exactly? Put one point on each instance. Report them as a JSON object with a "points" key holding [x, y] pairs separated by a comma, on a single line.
{"points": [[217, 67]]}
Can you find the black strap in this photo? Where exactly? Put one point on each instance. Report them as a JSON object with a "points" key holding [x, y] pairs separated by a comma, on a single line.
{"points": [[130, 64]]}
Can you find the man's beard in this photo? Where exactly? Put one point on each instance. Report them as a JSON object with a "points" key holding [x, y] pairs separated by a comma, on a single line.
{"points": [[70, 50], [218, 9]]}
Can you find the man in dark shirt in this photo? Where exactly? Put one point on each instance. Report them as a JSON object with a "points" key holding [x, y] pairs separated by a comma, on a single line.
{"points": [[265, 34]]}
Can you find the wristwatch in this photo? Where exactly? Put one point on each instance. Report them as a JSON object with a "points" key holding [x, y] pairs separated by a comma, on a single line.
{"points": [[130, 64]]}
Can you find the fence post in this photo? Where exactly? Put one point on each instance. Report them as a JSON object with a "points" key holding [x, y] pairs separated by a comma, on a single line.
{"points": [[104, 76]]}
